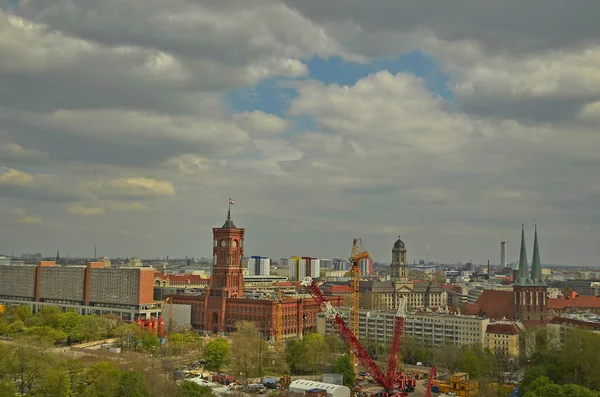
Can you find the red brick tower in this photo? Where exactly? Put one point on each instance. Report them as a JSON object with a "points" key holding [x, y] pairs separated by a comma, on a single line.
{"points": [[227, 273]]}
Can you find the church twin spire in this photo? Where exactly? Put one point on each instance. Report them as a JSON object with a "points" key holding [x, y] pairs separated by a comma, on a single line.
{"points": [[524, 278]]}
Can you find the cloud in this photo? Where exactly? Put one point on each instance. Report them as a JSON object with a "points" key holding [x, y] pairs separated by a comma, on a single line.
{"points": [[29, 220], [13, 177], [80, 209], [113, 111], [17, 215], [260, 124], [127, 206]]}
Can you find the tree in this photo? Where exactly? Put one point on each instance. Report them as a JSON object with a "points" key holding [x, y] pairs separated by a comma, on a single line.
{"points": [[102, 379], [54, 382], [216, 354], [96, 327], [68, 321], [132, 384], [7, 389], [191, 389], [544, 387], [294, 353], [343, 365], [248, 350], [317, 355], [45, 334]]}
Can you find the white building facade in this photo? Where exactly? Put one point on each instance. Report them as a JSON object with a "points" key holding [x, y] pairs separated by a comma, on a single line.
{"points": [[259, 266], [430, 329]]}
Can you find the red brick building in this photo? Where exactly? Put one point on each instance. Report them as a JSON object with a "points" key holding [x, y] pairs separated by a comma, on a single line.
{"points": [[224, 303]]}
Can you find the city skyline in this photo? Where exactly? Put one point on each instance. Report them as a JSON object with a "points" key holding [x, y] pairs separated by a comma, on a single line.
{"points": [[449, 125]]}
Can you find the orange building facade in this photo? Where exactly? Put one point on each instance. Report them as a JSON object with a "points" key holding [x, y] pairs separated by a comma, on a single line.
{"points": [[224, 303]]}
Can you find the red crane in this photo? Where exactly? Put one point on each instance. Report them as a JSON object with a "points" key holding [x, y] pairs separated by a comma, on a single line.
{"points": [[395, 384], [429, 384]]}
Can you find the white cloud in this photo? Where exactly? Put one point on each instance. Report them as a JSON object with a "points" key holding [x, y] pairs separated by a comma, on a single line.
{"points": [[394, 110], [260, 124], [13, 177], [83, 210], [136, 186]]}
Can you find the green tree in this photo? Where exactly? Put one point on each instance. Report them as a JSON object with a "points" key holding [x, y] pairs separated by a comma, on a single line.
{"points": [[248, 350], [132, 384], [50, 314], [343, 365], [7, 388], [191, 389], [544, 387], [102, 379], [16, 327], [54, 382], [216, 354], [45, 334], [317, 355], [68, 321], [294, 353], [96, 327]]}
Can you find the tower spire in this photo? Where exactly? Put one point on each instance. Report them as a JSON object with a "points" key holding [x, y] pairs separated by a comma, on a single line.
{"points": [[229, 223], [523, 273], [536, 266]]}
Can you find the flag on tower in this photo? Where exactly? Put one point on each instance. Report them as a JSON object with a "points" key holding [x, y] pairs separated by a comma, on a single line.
{"points": [[231, 201]]}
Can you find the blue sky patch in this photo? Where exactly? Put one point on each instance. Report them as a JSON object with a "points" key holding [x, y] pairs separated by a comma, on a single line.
{"points": [[272, 97]]}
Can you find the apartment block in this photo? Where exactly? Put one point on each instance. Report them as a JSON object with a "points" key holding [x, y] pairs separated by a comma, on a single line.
{"points": [[259, 266], [18, 281], [90, 289], [431, 329]]}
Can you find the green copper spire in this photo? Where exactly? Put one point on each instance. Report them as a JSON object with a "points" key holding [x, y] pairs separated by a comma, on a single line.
{"points": [[523, 273], [536, 266]]}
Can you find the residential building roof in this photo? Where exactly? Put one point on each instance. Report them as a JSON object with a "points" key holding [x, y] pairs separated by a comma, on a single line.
{"points": [[495, 304], [503, 328]]}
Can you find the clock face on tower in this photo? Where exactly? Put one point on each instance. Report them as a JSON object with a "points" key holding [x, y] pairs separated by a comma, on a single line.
{"points": [[223, 243], [234, 244]]}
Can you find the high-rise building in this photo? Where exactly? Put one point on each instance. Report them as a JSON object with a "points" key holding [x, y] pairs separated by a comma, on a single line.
{"points": [[365, 266], [296, 268], [341, 264], [503, 253], [259, 266]]}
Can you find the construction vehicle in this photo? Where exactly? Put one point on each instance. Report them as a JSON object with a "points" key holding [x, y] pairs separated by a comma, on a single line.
{"points": [[394, 382], [358, 253]]}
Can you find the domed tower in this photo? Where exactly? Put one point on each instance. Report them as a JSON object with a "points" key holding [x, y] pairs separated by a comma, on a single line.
{"points": [[399, 265]]}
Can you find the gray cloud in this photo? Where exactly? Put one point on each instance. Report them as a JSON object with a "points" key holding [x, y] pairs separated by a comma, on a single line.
{"points": [[114, 131], [511, 25]]}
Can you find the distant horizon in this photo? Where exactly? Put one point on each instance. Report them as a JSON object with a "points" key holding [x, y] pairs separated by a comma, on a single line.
{"points": [[510, 264]]}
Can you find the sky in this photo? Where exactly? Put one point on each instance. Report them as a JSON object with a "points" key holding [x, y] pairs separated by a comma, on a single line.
{"points": [[127, 125]]}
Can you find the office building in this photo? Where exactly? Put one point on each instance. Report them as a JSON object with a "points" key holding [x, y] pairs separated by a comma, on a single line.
{"points": [[90, 289]]}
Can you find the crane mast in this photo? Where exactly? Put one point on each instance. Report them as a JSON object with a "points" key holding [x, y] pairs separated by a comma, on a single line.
{"points": [[430, 383], [336, 320], [358, 253], [396, 341]]}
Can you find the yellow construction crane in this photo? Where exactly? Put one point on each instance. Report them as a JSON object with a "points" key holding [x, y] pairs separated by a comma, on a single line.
{"points": [[358, 253], [279, 320]]}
